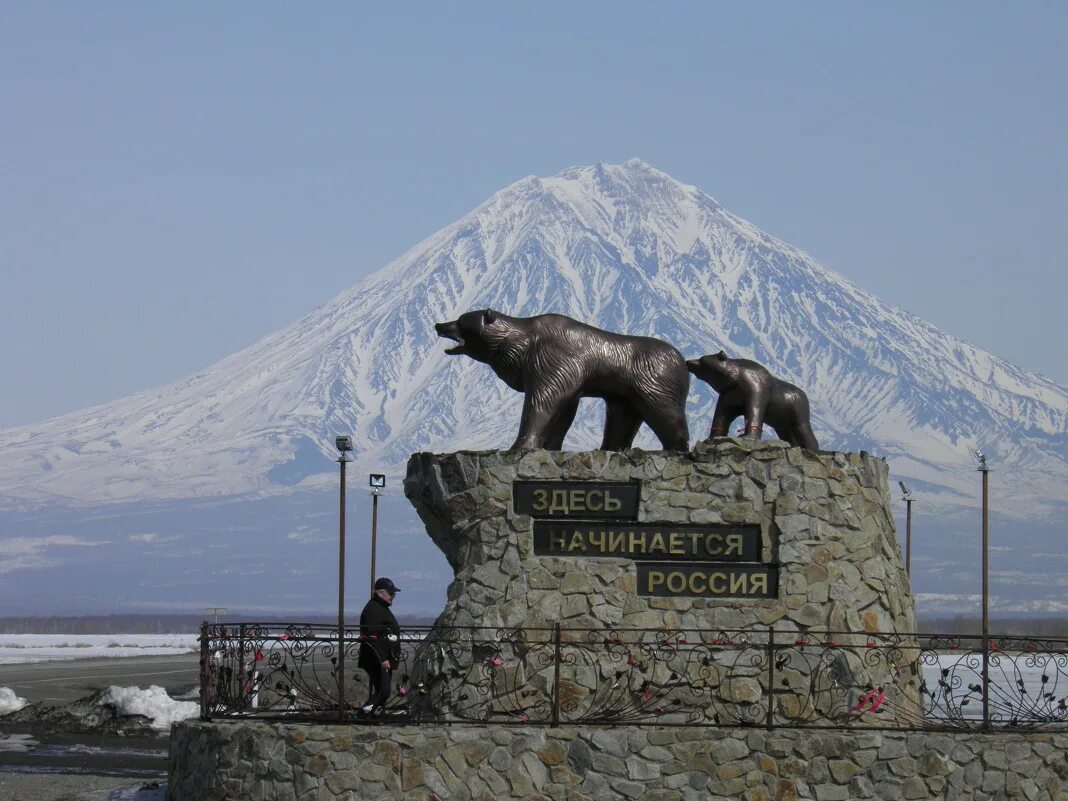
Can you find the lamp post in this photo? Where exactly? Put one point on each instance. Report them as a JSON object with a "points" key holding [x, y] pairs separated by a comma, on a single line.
{"points": [[985, 470], [906, 496], [378, 483], [216, 610], [344, 447]]}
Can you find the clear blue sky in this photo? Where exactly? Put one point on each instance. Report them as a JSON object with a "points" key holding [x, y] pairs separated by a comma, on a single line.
{"points": [[178, 179]]}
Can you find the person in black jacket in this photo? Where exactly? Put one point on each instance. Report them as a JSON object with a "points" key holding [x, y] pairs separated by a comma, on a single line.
{"points": [[380, 644]]}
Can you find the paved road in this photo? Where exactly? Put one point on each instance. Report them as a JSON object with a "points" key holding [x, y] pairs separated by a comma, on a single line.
{"points": [[60, 682]]}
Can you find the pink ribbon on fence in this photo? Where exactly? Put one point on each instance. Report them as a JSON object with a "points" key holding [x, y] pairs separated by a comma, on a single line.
{"points": [[874, 697]]}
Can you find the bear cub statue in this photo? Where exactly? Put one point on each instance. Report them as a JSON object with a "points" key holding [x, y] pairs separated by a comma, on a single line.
{"points": [[555, 361], [747, 388]]}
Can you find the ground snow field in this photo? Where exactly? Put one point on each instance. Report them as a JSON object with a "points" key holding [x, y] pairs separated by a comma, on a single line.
{"points": [[25, 648]]}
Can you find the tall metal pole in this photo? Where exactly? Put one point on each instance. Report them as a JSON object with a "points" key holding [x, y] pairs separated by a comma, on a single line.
{"points": [[986, 590], [374, 537], [986, 551], [908, 537], [341, 598]]}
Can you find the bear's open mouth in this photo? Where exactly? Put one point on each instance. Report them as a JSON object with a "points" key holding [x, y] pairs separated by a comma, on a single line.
{"points": [[451, 331]]}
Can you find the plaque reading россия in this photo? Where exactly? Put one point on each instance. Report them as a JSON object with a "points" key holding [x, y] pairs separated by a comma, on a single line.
{"points": [[577, 499], [666, 579], [715, 542]]}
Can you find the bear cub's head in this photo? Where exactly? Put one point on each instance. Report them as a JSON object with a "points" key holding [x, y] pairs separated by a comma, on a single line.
{"points": [[477, 333], [716, 369]]}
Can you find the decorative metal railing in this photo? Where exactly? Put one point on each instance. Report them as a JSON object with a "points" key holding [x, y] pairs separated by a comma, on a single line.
{"points": [[560, 675]]}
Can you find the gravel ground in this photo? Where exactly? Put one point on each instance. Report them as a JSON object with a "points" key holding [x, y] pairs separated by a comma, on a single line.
{"points": [[58, 787], [46, 760]]}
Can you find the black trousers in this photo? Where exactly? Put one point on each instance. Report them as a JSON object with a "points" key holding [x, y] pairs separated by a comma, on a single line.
{"points": [[381, 680]]}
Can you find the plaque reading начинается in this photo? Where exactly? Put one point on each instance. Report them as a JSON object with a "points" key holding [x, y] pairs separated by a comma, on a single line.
{"points": [[716, 542], [667, 580], [577, 499]]}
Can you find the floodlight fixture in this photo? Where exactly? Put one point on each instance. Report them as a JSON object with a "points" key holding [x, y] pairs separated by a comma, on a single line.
{"points": [[981, 459], [904, 490], [216, 610], [377, 481], [343, 442]]}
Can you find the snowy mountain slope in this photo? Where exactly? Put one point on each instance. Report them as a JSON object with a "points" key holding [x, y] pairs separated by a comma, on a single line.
{"points": [[624, 247]]}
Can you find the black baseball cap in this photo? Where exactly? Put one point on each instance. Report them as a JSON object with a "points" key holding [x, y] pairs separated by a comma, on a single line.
{"points": [[386, 584]]}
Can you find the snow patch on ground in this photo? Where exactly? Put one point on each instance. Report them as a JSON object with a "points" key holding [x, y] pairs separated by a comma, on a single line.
{"points": [[150, 791], [153, 703], [9, 702], [27, 648]]}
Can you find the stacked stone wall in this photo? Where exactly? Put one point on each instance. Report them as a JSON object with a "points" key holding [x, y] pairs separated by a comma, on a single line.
{"points": [[289, 762], [824, 517], [825, 526]]}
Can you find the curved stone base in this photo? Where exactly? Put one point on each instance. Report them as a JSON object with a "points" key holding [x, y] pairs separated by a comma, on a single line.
{"points": [[825, 519], [302, 762]]}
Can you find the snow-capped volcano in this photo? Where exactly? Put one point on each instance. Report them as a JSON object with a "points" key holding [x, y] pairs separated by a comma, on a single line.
{"points": [[624, 247]]}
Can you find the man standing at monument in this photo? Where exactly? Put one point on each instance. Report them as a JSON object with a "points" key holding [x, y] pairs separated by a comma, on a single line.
{"points": [[379, 645]]}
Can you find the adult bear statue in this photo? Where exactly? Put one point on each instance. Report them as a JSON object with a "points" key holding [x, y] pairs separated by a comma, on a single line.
{"points": [[746, 387], [556, 361]]}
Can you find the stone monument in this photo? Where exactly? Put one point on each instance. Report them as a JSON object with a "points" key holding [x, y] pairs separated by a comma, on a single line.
{"points": [[752, 588], [705, 551]]}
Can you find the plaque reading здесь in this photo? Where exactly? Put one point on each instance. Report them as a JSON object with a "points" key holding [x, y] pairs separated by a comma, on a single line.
{"points": [[576, 499], [638, 541], [664, 579]]}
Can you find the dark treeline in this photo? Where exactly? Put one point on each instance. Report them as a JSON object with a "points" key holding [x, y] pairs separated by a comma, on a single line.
{"points": [[1003, 626], [155, 624], [185, 624]]}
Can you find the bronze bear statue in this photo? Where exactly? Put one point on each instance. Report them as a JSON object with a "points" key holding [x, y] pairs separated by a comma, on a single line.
{"points": [[556, 360], [748, 388]]}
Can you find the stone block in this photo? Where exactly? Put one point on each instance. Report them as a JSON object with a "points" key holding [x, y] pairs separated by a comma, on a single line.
{"points": [[993, 757], [889, 789], [665, 794], [843, 770], [860, 787], [641, 769], [656, 754], [903, 766], [411, 774], [662, 736], [831, 792], [892, 749], [552, 754], [741, 690], [608, 742], [628, 788], [728, 750], [730, 770], [608, 764], [994, 780], [914, 788], [339, 781]]}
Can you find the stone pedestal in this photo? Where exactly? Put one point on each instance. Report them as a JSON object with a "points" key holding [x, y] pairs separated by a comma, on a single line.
{"points": [[575, 633], [301, 762], [824, 519]]}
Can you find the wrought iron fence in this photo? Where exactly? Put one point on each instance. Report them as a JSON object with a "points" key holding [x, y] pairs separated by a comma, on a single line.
{"points": [[554, 676]]}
